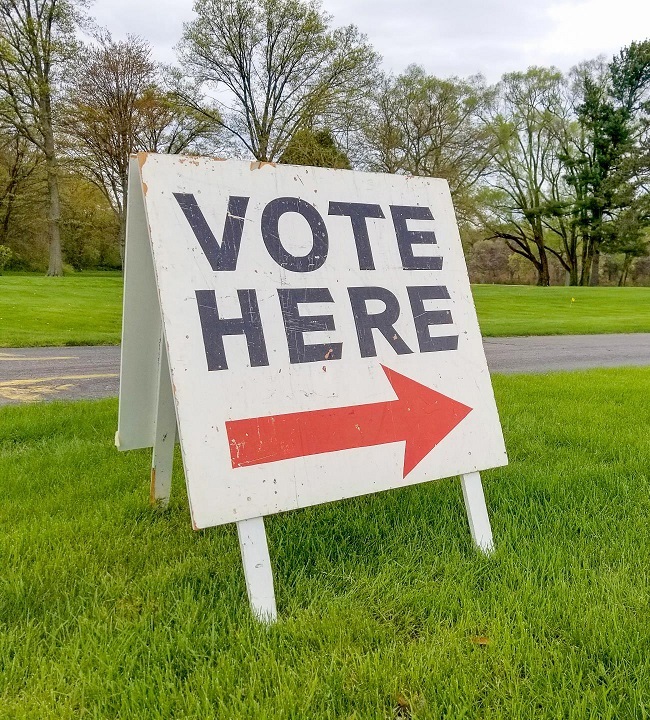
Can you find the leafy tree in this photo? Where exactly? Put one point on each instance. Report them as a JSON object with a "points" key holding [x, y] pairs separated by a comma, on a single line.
{"points": [[5, 257], [36, 40], [89, 226], [167, 124], [314, 147], [17, 167], [525, 165], [607, 168], [276, 66], [422, 125]]}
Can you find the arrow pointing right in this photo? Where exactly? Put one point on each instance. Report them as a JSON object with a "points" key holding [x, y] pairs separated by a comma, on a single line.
{"points": [[420, 416]]}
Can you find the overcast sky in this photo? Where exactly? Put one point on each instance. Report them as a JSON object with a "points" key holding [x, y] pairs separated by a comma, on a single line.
{"points": [[447, 37]]}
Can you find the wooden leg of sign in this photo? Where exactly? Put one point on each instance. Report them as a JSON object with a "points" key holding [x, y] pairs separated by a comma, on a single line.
{"points": [[257, 569], [479, 522], [162, 462]]}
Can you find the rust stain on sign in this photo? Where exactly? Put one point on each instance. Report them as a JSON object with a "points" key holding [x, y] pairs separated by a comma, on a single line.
{"points": [[258, 165], [152, 487], [142, 159]]}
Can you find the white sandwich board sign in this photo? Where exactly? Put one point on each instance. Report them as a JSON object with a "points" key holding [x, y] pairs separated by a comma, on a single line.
{"points": [[309, 334]]}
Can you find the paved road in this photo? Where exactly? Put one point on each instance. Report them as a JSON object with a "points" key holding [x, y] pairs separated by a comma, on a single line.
{"points": [[31, 374], [67, 373], [566, 352]]}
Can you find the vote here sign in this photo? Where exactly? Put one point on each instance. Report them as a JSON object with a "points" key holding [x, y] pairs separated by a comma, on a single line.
{"points": [[320, 330]]}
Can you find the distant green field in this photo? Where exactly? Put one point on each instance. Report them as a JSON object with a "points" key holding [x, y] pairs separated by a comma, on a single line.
{"points": [[109, 609], [527, 310], [85, 309], [79, 309]]}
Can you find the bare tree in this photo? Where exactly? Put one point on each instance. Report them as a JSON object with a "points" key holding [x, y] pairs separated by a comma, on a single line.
{"points": [[115, 107], [275, 65], [101, 113], [36, 39]]}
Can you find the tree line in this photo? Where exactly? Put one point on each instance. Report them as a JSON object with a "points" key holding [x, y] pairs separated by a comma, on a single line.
{"points": [[549, 171]]}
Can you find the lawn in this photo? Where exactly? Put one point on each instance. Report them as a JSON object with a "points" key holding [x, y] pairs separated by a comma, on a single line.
{"points": [[528, 310], [86, 309], [79, 309], [109, 609]]}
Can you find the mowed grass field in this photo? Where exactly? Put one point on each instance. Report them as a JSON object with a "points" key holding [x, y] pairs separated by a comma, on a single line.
{"points": [[527, 310], [86, 309], [79, 309], [110, 609]]}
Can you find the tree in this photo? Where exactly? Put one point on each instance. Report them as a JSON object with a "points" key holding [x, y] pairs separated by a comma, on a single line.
{"points": [[276, 66], [5, 257], [607, 167], [17, 166], [525, 164], [422, 125], [314, 147], [89, 227], [116, 106], [167, 124], [36, 40]]}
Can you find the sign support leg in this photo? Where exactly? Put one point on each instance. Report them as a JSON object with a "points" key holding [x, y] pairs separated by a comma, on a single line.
{"points": [[479, 522], [162, 462], [257, 569]]}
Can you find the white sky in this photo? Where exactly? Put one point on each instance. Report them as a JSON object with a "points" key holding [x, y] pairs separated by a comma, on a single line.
{"points": [[447, 37]]}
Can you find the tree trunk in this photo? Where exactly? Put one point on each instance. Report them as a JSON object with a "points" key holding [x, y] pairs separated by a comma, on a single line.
{"points": [[543, 275], [6, 218], [55, 267], [121, 196], [586, 260], [9, 199], [627, 262], [594, 278], [122, 238], [122, 217]]}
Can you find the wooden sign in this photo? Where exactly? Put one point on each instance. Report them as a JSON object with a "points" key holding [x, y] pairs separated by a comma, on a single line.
{"points": [[312, 335]]}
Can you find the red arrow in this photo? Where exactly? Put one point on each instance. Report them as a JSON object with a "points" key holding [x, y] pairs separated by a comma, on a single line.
{"points": [[420, 416]]}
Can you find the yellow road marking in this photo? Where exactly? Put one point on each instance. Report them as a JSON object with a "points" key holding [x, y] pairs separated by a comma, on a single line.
{"points": [[4, 356], [33, 381], [26, 394], [31, 389]]}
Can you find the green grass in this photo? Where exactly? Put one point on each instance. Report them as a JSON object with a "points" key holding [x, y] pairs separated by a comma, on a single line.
{"points": [[86, 309], [109, 609], [79, 309], [527, 310]]}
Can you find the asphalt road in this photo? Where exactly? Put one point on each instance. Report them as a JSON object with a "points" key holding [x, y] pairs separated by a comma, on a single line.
{"points": [[72, 373]]}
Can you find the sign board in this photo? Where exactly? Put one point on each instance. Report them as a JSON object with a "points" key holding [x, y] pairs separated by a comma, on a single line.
{"points": [[321, 337]]}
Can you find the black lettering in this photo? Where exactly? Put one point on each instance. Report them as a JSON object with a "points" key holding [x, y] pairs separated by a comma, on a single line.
{"points": [[424, 319], [296, 324], [215, 327], [271, 235], [222, 257], [407, 238], [358, 212], [382, 321]]}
